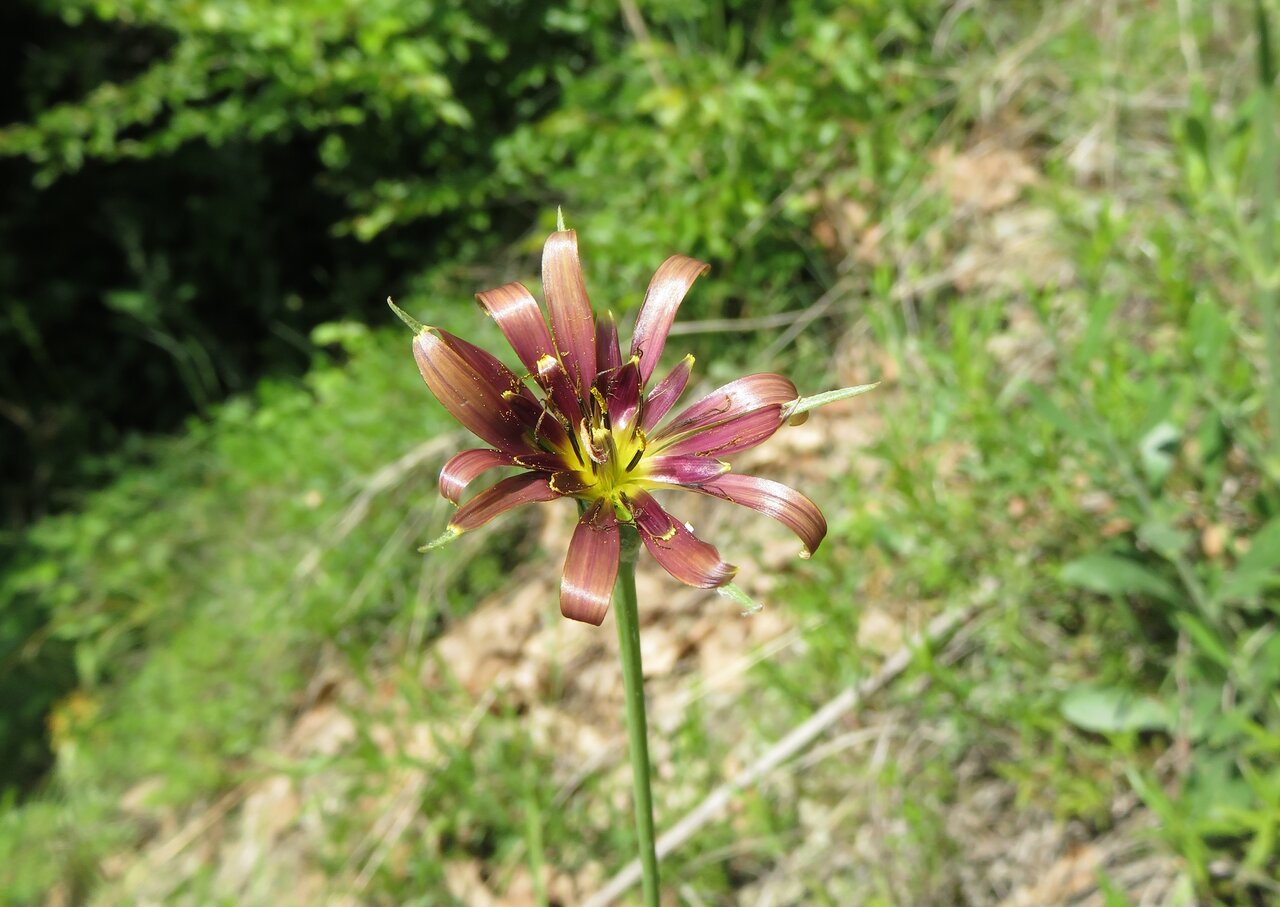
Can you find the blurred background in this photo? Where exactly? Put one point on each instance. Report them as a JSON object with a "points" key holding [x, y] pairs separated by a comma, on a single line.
{"points": [[226, 674]]}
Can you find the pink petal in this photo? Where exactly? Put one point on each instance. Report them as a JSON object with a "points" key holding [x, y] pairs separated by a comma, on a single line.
{"points": [[572, 323], [591, 566], [462, 468], [666, 291], [559, 385], [664, 396], [569, 482], [608, 351], [730, 436], [784, 504], [545, 462], [623, 398], [545, 426], [521, 321], [737, 398], [683, 470], [526, 488], [683, 555], [473, 395]]}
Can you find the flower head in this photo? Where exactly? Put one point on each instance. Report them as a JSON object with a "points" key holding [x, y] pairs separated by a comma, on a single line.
{"points": [[585, 423]]}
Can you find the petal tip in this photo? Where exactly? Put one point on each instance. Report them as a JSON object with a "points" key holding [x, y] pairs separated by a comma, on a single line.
{"points": [[414, 324], [451, 533]]}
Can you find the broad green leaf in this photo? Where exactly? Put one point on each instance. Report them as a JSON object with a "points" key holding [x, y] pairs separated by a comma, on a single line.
{"points": [[1259, 569], [1157, 449], [1112, 710], [1108, 574]]}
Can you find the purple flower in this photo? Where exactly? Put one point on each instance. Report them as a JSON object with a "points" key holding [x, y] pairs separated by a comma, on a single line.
{"points": [[584, 423]]}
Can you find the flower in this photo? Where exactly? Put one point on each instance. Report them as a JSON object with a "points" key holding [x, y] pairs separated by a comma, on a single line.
{"points": [[585, 424]]}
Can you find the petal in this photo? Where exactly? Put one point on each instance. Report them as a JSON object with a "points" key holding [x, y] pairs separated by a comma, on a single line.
{"points": [[526, 488], [457, 474], [730, 436], [559, 386], [679, 551], [544, 462], [608, 350], [737, 398], [591, 566], [623, 398], [534, 415], [569, 482], [664, 396], [683, 470], [572, 324], [784, 504], [521, 321], [666, 291], [473, 396]]}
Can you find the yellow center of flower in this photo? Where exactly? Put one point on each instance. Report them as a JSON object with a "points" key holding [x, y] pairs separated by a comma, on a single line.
{"points": [[610, 457]]}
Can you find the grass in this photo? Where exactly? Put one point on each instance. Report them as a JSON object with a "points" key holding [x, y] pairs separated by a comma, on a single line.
{"points": [[1071, 431]]}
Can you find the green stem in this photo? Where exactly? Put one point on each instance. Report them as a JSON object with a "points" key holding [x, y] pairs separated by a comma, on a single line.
{"points": [[626, 615]]}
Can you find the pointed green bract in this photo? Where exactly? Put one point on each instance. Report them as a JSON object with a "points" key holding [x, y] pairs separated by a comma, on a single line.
{"points": [[560, 219], [735, 594], [414, 324], [804, 404], [448, 536]]}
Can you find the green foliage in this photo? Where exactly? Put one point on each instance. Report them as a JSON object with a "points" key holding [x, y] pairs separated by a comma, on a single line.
{"points": [[1085, 456]]}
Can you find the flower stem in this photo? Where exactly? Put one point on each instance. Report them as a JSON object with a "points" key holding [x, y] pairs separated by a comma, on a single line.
{"points": [[626, 615]]}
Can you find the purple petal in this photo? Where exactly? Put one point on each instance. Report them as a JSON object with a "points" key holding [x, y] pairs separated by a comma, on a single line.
{"points": [[664, 396], [737, 398], [544, 425], [683, 470], [559, 385], [623, 398], [784, 504], [458, 473], [473, 396], [608, 350], [683, 555], [569, 482], [572, 324], [591, 566], [666, 291], [526, 488], [521, 321], [730, 436], [545, 462]]}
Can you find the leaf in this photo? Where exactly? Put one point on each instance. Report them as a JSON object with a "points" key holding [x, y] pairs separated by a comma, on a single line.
{"points": [[1108, 574], [1157, 448], [1163, 538], [1259, 569], [1204, 638], [1113, 710]]}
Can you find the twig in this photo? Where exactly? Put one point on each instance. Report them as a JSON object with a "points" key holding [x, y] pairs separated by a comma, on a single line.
{"points": [[938, 630], [736, 325], [385, 478], [639, 31], [838, 291]]}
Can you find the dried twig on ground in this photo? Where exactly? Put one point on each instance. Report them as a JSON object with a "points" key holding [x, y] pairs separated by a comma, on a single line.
{"points": [[938, 631]]}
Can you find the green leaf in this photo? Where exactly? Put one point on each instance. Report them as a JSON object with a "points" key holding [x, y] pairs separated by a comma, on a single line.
{"points": [[1113, 710], [1259, 569], [1157, 450], [1108, 574]]}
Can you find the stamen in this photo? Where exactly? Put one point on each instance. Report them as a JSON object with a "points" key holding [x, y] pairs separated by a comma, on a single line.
{"points": [[577, 451], [635, 460]]}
